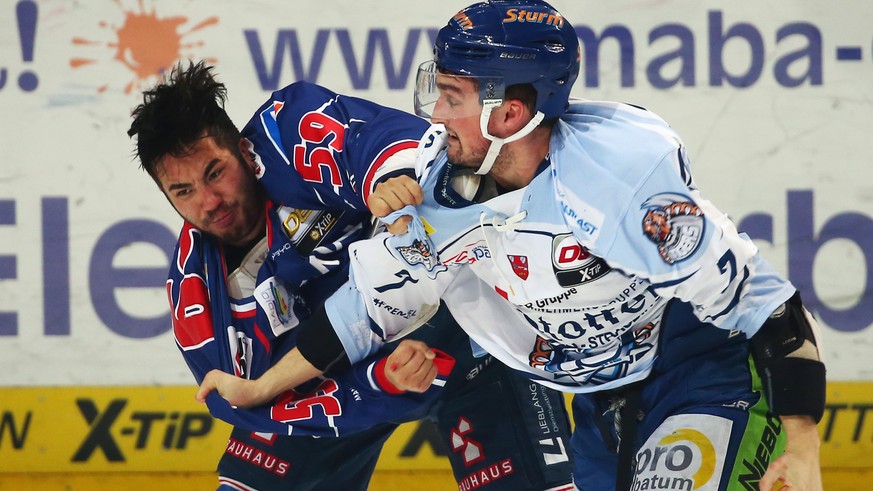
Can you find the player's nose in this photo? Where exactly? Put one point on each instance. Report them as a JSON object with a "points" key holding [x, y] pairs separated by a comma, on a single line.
{"points": [[440, 112], [210, 198]]}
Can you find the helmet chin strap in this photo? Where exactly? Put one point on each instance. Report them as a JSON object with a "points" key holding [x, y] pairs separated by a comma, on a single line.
{"points": [[497, 143]]}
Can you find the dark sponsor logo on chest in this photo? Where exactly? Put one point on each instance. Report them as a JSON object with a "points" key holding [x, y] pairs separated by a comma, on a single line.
{"points": [[307, 228], [573, 264]]}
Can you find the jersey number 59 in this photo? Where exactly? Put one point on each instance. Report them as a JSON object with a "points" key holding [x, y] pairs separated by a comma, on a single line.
{"points": [[315, 128]]}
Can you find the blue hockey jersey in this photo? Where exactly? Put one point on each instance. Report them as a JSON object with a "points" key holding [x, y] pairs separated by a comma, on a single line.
{"points": [[569, 279], [318, 154]]}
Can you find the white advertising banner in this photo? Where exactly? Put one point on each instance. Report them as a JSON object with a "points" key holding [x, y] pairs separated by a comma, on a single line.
{"points": [[772, 98]]}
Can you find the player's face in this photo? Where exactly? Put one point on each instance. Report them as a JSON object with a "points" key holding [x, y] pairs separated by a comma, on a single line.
{"points": [[215, 190], [458, 108]]}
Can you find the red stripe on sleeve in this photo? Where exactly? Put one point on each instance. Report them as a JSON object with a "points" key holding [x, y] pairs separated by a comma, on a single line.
{"points": [[443, 361], [385, 155]]}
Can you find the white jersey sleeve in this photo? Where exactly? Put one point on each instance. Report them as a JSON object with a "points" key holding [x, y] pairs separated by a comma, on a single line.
{"points": [[656, 225], [692, 251], [385, 299]]}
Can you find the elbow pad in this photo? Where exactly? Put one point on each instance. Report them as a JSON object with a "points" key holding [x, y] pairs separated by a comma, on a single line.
{"points": [[319, 344], [786, 355]]}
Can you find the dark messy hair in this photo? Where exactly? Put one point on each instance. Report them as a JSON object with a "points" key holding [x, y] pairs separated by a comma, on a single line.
{"points": [[186, 106]]}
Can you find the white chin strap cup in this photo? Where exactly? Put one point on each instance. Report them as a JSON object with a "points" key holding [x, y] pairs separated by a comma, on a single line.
{"points": [[497, 143]]}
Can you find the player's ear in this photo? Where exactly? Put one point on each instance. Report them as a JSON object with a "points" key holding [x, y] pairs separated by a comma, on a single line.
{"points": [[515, 115], [245, 150]]}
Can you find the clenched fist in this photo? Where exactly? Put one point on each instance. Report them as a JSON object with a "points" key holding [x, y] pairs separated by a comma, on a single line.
{"points": [[411, 366]]}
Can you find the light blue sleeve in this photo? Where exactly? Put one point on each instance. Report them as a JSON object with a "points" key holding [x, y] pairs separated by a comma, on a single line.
{"points": [[348, 316], [637, 207], [688, 249]]}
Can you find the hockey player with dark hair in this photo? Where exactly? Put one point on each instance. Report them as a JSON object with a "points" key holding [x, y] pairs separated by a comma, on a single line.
{"points": [[269, 214]]}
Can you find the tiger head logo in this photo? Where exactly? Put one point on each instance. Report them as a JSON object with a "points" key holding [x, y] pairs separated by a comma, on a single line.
{"points": [[418, 253], [675, 224]]}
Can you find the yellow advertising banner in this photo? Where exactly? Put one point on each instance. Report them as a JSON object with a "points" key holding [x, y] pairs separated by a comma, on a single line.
{"points": [[162, 429], [63, 429], [143, 429], [847, 426]]}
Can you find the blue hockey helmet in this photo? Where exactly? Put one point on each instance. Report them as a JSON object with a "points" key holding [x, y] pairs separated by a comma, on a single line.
{"points": [[520, 41]]}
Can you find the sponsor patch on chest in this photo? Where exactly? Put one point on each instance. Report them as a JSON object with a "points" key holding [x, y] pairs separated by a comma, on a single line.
{"points": [[307, 228], [572, 264]]}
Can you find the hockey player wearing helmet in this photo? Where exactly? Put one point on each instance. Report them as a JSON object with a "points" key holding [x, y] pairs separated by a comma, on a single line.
{"points": [[693, 362]]}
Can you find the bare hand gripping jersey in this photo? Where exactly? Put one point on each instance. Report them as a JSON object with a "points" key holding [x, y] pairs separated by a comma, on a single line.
{"points": [[569, 278]]}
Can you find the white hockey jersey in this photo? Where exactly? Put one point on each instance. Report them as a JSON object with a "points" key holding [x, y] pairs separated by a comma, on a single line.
{"points": [[568, 279]]}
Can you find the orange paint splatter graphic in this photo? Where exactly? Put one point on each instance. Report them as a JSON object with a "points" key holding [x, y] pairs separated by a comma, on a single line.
{"points": [[147, 44]]}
